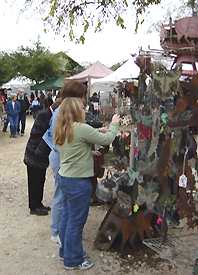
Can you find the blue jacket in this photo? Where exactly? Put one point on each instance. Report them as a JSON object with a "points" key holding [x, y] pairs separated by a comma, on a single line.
{"points": [[54, 157], [9, 108], [48, 136]]}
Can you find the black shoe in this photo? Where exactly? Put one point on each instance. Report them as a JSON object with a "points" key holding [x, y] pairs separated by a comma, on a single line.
{"points": [[39, 212], [45, 207]]}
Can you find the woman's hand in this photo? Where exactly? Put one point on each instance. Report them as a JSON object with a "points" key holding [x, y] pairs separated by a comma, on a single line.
{"points": [[103, 130], [116, 119]]}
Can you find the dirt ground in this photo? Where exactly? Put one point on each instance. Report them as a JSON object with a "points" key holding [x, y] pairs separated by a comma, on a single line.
{"points": [[25, 246]]}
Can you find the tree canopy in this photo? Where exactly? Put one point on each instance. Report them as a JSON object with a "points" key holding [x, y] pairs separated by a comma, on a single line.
{"points": [[193, 4], [7, 71], [36, 63], [74, 18]]}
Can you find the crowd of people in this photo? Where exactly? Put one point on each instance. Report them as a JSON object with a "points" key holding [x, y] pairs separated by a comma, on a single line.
{"points": [[15, 106], [62, 138]]}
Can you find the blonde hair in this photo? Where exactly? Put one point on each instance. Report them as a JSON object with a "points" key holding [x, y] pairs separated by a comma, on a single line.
{"points": [[71, 110]]}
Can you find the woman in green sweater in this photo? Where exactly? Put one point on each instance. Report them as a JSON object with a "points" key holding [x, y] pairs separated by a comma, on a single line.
{"points": [[75, 139]]}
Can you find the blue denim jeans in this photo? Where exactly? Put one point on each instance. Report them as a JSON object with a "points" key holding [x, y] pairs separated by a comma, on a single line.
{"points": [[13, 124], [77, 196], [57, 201]]}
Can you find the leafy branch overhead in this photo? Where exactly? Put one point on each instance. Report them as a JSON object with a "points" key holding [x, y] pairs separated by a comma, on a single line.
{"points": [[74, 18]]}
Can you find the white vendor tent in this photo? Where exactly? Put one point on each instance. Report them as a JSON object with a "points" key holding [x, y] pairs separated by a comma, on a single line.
{"points": [[129, 70], [18, 83]]}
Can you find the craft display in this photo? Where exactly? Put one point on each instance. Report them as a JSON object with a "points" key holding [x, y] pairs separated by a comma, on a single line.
{"points": [[154, 186]]}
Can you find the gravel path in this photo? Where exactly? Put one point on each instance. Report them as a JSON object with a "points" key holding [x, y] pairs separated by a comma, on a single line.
{"points": [[25, 246]]}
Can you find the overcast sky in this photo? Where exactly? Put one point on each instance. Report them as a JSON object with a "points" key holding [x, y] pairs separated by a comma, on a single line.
{"points": [[109, 46]]}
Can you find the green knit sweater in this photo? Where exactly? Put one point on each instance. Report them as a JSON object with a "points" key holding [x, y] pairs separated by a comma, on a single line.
{"points": [[76, 159]]}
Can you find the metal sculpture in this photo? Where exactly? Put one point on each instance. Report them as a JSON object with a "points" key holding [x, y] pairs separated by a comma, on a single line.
{"points": [[160, 188]]}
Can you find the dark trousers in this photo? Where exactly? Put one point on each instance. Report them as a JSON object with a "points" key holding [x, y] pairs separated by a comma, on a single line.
{"points": [[13, 124], [36, 180], [21, 123]]}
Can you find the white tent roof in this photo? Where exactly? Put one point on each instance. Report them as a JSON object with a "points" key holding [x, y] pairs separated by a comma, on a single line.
{"points": [[18, 83], [128, 70]]}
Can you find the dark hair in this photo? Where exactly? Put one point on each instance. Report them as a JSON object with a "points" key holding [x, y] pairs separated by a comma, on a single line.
{"points": [[73, 88], [48, 102]]}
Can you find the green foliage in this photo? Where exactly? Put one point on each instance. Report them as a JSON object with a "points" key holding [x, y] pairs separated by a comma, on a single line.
{"points": [[7, 71], [141, 6], [67, 65], [74, 18], [193, 4], [36, 63]]}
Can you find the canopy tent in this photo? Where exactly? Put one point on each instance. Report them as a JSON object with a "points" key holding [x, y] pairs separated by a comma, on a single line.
{"points": [[95, 71], [18, 83], [54, 83], [129, 70]]}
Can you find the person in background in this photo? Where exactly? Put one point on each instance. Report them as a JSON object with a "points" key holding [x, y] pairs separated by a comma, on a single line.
{"points": [[54, 97], [2, 95], [5, 100], [1, 111], [94, 104], [32, 97], [74, 140], [13, 110], [42, 100], [24, 106], [37, 94], [71, 88], [35, 107], [2, 108], [50, 95], [37, 160]]}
